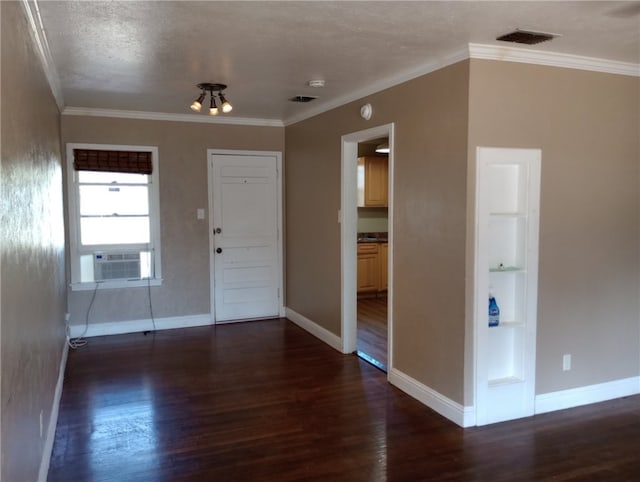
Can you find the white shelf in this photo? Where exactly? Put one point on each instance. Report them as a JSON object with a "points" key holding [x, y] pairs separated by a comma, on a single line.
{"points": [[509, 324], [498, 382], [507, 270], [508, 215]]}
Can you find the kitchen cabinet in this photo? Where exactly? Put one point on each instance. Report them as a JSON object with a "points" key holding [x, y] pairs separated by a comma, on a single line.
{"points": [[373, 181], [372, 267], [368, 268], [383, 250]]}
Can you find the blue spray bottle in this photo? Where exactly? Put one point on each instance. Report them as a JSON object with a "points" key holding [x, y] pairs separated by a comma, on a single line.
{"points": [[494, 311]]}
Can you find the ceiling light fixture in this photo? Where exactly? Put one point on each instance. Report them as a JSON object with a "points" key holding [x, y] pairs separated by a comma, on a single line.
{"points": [[212, 89], [383, 148]]}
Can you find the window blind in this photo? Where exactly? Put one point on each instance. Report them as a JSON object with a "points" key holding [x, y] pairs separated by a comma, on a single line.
{"points": [[134, 162]]}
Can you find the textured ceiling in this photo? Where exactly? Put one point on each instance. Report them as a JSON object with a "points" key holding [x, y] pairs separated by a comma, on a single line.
{"points": [[148, 56]]}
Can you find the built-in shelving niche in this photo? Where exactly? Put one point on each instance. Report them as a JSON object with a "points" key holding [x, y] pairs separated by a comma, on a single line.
{"points": [[507, 211]]}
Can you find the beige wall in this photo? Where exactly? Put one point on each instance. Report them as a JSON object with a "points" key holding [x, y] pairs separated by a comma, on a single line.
{"points": [[182, 153], [587, 125], [33, 289], [430, 116]]}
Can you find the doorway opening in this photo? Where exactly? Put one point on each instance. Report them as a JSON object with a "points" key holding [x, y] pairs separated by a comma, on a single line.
{"points": [[367, 240], [372, 251]]}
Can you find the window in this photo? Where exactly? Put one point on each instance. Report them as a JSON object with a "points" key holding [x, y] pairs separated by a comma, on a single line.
{"points": [[114, 215]]}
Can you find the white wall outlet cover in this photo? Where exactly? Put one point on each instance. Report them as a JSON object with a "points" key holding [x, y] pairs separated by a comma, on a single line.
{"points": [[200, 213], [366, 111]]}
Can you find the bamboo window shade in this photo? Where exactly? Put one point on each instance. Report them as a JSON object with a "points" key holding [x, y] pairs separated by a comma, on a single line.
{"points": [[134, 162]]}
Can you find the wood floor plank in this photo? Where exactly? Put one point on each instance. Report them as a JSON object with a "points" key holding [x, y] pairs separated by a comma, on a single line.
{"points": [[267, 401], [372, 328]]}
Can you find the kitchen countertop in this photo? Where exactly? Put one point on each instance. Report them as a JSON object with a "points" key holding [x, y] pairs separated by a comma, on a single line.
{"points": [[372, 237]]}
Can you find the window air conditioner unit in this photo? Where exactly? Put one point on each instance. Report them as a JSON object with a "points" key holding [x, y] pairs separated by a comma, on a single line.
{"points": [[116, 266]]}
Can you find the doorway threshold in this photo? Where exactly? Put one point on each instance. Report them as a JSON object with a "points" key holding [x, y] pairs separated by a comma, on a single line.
{"points": [[372, 361]]}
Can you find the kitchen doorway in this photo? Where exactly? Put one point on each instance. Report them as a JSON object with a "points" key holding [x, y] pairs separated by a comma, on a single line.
{"points": [[366, 275], [372, 251]]}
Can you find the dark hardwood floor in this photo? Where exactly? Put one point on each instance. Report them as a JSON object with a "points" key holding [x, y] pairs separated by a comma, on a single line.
{"points": [[372, 328], [265, 401]]}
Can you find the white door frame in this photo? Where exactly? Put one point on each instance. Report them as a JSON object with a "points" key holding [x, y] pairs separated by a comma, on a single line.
{"points": [[349, 233], [279, 248]]}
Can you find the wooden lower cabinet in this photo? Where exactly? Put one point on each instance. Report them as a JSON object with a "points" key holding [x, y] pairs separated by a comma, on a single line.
{"points": [[383, 257], [368, 268], [372, 267]]}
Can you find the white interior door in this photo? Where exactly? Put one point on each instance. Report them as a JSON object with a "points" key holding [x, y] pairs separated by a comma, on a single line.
{"points": [[244, 207]]}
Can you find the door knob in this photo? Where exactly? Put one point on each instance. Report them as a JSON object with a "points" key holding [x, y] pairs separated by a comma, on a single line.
{"points": [[218, 230], [219, 250]]}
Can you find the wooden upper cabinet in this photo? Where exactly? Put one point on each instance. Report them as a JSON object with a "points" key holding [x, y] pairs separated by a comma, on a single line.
{"points": [[373, 181]]}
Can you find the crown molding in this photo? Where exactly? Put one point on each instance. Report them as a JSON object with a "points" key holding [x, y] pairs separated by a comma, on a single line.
{"points": [[471, 51], [552, 59], [483, 52], [32, 13], [383, 84], [163, 116]]}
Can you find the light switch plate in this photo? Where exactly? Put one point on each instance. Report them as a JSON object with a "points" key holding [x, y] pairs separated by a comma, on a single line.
{"points": [[200, 213]]}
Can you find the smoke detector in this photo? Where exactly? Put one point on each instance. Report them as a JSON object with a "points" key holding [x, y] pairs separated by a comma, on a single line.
{"points": [[315, 83]]}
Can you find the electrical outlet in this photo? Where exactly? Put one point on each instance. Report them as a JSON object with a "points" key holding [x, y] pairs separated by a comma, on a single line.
{"points": [[200, 213], [566, 362]]}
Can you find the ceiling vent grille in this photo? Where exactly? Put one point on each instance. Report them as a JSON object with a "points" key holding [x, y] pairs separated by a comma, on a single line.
{"points": [[302, 98], [526, 37]]}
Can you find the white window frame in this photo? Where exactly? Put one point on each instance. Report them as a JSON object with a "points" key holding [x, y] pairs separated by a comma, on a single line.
{"points": [[74, 221]]}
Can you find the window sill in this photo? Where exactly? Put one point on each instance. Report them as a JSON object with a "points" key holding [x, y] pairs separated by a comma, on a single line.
{"points": [[119, 284]]}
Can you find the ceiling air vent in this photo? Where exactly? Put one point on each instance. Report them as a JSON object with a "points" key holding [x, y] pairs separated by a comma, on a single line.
{"points": [[302, 98], [526, 37]]}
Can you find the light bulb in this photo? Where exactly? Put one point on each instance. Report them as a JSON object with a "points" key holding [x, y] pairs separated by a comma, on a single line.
{"points": [[226, 106], [213, 108], [197, 104]]}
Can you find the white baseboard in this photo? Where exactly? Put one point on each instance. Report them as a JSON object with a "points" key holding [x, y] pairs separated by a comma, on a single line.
{"points": [[136, 326], [316, 330], [463, 416], [574, 397], [53, 418]]}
